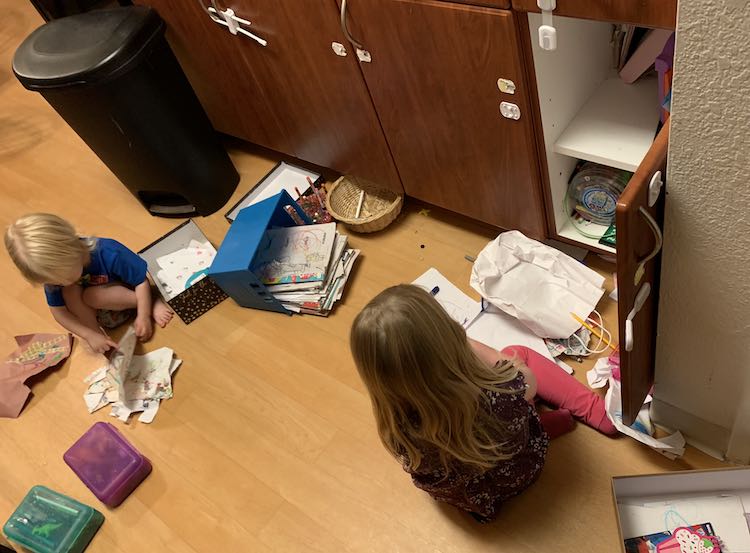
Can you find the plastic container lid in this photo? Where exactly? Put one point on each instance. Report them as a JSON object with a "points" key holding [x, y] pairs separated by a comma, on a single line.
{"points": [[107, 463], [50, 522], [596, 189], [88, 48]]}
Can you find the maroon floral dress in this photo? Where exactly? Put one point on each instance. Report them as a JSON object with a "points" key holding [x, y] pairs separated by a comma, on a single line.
{"points": [[482, 492]]}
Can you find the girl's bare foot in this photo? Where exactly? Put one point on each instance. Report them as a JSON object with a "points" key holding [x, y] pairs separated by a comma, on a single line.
{"points": [[162, 313]]}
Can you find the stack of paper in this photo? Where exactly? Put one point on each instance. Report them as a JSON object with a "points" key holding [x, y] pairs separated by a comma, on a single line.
{"points": [[132, 383], [305, 267], [183, 268]]}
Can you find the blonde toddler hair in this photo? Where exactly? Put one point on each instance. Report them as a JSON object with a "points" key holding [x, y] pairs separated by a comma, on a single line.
{"points": [[427, 386], [45, 247]]}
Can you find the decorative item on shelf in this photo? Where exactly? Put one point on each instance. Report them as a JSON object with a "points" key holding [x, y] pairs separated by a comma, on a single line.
{"points": [[595, 189], [361, 205]]}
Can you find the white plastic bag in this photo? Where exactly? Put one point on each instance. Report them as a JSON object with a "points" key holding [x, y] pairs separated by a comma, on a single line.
{"points": [[537, 284]]}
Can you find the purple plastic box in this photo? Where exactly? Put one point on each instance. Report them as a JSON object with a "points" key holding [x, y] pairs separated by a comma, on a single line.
{"points": [[107, 463]]}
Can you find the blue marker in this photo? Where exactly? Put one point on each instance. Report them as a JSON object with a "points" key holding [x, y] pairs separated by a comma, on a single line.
{"points": [[435, 290]]}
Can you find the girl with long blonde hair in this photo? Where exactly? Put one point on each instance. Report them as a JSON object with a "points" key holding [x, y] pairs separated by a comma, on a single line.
{"points": [[458, 415]]}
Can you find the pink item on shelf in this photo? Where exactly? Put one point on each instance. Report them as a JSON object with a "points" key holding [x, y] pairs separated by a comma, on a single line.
{"points": [[107, 463], [663, 66], [645, 54]]}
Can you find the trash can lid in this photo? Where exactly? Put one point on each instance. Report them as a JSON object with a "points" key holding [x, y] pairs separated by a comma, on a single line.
{"points": [[87, 48]]}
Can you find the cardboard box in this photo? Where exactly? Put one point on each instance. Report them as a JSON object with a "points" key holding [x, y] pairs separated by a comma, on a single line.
{"points": [[197, 298], [652, 503], [232, 268]]}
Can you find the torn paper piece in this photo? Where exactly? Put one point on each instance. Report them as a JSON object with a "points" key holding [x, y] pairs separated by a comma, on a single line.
{"points": [[132, 383], [120, 412], [35, 353], [148, 376], [672, 446], [150, 408], [97, 375], [600, 374], [94, 402]]}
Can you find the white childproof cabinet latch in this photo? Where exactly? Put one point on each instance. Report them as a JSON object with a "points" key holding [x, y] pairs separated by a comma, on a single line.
{"points": [[547, 31], [228, 19], [510, 111]]}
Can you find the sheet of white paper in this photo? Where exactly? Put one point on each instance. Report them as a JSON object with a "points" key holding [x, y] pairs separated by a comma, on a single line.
{"points": [[499, 330], [672, 446], [725, 512], [458, 305]]}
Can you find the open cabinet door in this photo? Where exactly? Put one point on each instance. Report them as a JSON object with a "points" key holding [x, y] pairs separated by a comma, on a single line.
{"points": [[639, 240]]}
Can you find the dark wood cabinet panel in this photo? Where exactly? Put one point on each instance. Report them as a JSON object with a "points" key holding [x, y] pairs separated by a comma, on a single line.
{"points": [[295, 95], [320, 96], [647, 13], [225, 85], [636, 240], [433, 79]]}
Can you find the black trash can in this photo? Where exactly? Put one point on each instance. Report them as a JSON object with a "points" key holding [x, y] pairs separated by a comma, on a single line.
{"points": [[113, 78]]}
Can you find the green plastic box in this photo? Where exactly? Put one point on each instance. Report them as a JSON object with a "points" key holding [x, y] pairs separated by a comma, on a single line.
{"points": [[50, 522]]}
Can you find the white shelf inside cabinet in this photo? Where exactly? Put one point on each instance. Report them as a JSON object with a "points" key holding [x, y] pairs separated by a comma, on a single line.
{"points": [[616, 126], [568, 231]]}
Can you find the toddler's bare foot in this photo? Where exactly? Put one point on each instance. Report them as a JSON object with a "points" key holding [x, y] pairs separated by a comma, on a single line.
{"points": [[162, 313]]}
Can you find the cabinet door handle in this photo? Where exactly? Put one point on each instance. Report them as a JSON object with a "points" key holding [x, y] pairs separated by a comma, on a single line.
{"points": [[345, 29]]}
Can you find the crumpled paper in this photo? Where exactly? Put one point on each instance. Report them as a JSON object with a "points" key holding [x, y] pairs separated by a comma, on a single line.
{"points": [[537, 284], [132, 383], [36, 352], [672, 446]]}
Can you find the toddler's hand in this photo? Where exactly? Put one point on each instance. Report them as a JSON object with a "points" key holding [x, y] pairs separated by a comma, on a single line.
{"points": [[100, 343], [144, 328]]}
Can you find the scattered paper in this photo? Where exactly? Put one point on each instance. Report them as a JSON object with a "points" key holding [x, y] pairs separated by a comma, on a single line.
{"points": [[672, 446], [499, 331], [598, 377], [539, 285], [183, 268], [572, 346], [458, 305], [35, 353], [132, 383]]}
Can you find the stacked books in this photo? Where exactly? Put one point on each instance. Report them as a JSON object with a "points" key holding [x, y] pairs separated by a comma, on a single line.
{"points": [[305, 267]]}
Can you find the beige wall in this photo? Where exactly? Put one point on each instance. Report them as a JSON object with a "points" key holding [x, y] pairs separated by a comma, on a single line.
{"points": [[703, 355]]}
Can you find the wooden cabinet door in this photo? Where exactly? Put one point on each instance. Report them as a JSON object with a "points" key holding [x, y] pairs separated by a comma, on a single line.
{"points": [[646, 13], [225, 85], [433, 79], [319, 97], [639, 240], [295, 95]]}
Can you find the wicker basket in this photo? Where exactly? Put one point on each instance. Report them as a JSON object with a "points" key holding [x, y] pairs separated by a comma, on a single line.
{"points": [[379, 208]]}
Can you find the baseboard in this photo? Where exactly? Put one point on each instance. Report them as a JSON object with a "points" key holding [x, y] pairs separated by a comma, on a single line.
{"points": [[710, 438]]}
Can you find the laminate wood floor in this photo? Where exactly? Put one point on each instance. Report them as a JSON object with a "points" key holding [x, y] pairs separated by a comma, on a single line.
{"points": [[269, 444]]}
